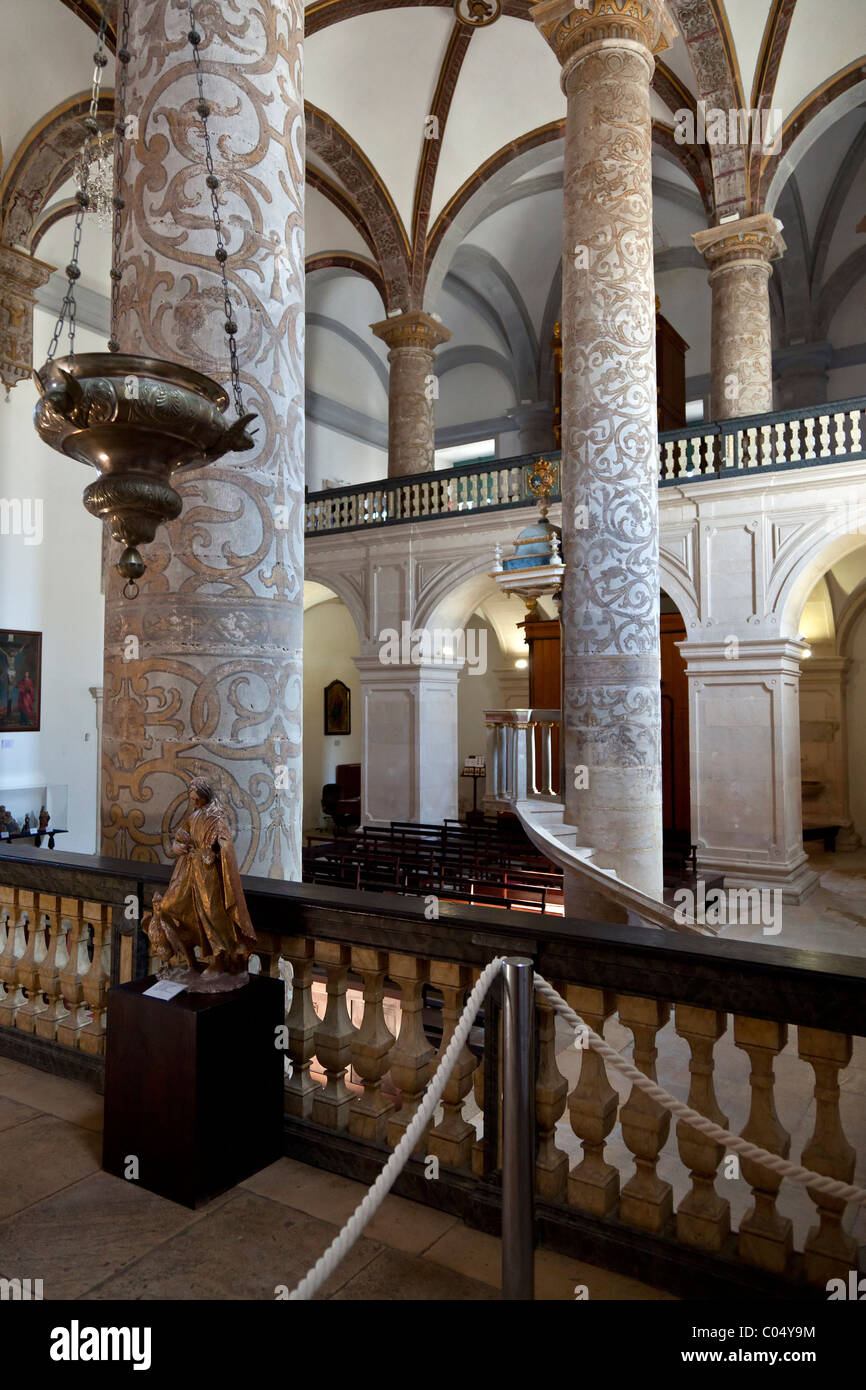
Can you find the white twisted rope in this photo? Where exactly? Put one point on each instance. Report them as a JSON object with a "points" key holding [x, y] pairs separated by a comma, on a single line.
{"points": [[818, 1182], [342, 1243]]}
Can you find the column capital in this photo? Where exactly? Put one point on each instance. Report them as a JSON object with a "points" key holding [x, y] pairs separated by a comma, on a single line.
{"points": [[21, 275], [748, 241], [412, 330], [573, 26]]}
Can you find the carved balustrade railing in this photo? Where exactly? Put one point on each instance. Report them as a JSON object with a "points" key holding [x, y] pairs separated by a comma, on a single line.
{"points": [[785, 439], [761, 1039]]}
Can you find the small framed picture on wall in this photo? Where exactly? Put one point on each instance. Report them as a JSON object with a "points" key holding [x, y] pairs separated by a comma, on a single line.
{"points": [[338, 708], [20, 682]]}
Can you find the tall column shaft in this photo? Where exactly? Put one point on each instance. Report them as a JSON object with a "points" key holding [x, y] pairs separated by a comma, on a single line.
{"points": [[738, 255], [412, 389], [211, 684], [610, 604]]}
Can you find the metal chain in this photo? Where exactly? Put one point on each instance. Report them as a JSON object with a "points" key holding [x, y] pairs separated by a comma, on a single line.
{"points": [[68, 309], [120, 136], [213, 183]]}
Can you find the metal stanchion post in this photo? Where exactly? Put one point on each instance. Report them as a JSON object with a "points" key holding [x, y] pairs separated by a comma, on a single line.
{"points": [[518, 1129]]}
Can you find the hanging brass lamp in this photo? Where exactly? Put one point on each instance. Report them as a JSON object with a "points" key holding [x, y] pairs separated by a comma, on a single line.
{"points": [[137, 420]]}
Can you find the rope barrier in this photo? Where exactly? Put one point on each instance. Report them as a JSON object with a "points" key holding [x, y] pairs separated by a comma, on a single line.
{"points": [[343, 1242], [829, 1187]]}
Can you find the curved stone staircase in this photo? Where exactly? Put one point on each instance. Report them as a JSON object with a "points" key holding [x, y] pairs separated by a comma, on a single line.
{"points": [[545, 824]]}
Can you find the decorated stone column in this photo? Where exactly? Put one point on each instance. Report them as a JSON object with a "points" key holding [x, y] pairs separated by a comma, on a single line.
{"points": [[412, 340], [739, 256], [610, 606], [203, 670], [20, 277]]}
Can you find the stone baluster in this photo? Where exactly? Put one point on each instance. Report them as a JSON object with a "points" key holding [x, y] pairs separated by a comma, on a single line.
{"points": [[452, 1139], [51, 969], [334, 1037], [41, 923], [17, 909], [551, 1089], [96, 981], [646, 1200], [371, 1047], [829, 1252], [765, 1236], [593, 1185], [302, 1022], [412, 1057], [703, 1217], [71, 978], [810, 438]]}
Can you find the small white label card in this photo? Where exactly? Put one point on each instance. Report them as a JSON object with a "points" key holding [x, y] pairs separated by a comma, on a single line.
{"points": [[164, 989]]}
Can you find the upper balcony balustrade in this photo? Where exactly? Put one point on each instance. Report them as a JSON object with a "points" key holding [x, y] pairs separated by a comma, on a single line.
{"points": [[785, 439]]}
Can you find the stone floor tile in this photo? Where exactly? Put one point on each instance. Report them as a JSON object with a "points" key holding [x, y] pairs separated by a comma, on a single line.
{"points": [[244, 1249], [41, 1156], [74, 1101], [396, 1277], [13, 1113], [399, 1223], [89, 1231]]}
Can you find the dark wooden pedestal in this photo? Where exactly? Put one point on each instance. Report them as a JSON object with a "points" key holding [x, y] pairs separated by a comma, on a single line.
{"points": [[193, 1087]]}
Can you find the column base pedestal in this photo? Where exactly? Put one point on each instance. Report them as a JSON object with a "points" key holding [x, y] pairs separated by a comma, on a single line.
{"points": [[796, 879]]}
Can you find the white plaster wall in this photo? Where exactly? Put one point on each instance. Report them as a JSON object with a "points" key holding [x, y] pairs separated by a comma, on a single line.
{"points": [[472, 393], [336, 369], [330, 643], [339, 458], [54, 588], [856, 720]]}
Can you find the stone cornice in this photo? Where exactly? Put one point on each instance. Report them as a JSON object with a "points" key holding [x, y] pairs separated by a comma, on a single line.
{"points": [[749, 240], [411, 330], [572, 26]]}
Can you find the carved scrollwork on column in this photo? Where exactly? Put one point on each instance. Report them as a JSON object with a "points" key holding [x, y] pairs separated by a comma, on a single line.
{"points": [[203, 672]]}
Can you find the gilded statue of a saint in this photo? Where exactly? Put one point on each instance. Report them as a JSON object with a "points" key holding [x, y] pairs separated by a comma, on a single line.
{"points": [[203, 905]]}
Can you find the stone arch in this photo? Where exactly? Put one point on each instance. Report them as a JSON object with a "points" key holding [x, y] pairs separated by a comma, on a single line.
{"points": [[343, 587], [826, 542], [336, 148], [340, 260], [43, 162], [681, 590]]}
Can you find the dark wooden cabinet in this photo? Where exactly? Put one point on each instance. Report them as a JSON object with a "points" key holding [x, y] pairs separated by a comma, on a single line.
{"points": [[545, 681], [676, 794], [671, 352]]}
